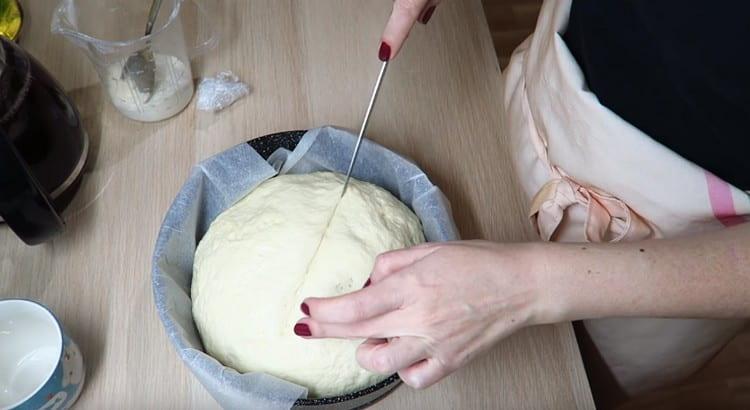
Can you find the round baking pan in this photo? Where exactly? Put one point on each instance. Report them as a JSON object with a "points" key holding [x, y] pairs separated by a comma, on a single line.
{"points": [[265, 146]]}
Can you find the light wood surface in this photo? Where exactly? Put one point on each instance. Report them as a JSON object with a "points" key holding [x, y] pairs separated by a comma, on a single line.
{"points": [[309, 64], [510, 22]]}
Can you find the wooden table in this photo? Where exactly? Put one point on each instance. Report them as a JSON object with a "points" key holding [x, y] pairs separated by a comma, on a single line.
{"points": [[309, 64]]}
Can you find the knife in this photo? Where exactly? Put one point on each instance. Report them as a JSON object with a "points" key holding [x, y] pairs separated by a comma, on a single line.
{"points": [[364, 124]]}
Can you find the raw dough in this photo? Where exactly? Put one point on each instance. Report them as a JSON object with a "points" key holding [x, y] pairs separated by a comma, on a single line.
{"points": [[264, 255]]}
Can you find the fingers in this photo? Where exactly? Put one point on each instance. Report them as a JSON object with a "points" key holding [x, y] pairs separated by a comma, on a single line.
{"points": [[393, 261], [405, 14], [375, 341], [388, 358], [369, 301], [352, 307], [427, 12], [423, 374], [381, 327]]}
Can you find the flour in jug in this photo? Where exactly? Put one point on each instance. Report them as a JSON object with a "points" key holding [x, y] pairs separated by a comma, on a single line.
{"points": [[173, 90]]}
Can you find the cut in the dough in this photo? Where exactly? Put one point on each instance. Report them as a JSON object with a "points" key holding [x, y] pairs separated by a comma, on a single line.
{"points": [[283, 243]]}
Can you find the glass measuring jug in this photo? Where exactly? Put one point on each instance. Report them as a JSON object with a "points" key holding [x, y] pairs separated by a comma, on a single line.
{"points": [[111, 31]]}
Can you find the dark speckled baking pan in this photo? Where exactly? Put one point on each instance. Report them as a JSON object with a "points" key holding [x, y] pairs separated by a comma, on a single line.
{"points": [[265, 146]]}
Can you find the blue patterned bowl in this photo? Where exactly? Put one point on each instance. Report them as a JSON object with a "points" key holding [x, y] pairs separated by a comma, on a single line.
{"points": [[40, 366]]}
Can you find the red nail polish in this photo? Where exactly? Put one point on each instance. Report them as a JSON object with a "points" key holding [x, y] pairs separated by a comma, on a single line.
{"points": [[301, 329], [385, 52], [366, 284], [305, 309], [427, 15]]}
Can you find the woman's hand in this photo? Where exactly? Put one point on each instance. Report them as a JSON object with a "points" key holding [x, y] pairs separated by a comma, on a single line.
{"points": [[405, 14], [432, 308]]}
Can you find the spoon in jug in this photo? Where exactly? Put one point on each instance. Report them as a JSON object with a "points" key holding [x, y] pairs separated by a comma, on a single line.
{"points": [[141, 67]]}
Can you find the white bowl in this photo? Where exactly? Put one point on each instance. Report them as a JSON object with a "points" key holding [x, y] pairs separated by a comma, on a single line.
{"points": [[39, 365], [31, 344]]}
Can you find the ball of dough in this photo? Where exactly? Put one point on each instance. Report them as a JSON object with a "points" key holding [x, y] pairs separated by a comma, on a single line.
{"points": [[285, 241]]}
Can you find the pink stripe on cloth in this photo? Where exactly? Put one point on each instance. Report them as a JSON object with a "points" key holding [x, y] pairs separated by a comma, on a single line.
{"points": [[720, 195]]}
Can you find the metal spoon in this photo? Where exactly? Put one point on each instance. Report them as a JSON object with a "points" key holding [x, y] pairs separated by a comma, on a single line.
{"points": [[141, 67]]}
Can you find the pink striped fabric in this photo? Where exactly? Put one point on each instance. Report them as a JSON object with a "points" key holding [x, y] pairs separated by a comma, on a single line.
{"points": [[720, 195]]}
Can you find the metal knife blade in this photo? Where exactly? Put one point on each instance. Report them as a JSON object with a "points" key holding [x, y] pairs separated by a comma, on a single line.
{"points": [[374, 97]]}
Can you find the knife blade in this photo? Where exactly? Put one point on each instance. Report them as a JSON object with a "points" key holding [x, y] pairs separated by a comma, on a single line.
{"points": [[362, 129]]}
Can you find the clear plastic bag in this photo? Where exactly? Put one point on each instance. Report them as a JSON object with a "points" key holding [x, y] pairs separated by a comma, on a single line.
{"points": [[220, 91]]}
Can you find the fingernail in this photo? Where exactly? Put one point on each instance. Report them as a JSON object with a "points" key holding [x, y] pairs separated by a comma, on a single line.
{"points": [[427, 15], [301, 329], [366, 284], [305, 309], [385, 52]]}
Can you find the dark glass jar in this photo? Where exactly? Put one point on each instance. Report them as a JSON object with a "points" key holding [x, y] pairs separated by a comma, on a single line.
{"points": [[40, 128]]}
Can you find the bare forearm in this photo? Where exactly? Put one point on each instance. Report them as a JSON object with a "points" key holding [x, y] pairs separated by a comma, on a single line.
{"points": [[705, 275]]}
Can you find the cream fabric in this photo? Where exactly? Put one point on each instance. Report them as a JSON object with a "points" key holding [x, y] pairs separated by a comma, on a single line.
{"points": [[591, 176]]}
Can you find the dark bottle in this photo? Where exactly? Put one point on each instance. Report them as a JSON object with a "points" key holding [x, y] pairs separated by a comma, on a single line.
{"points": [[41, 122], [43, 147]]}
